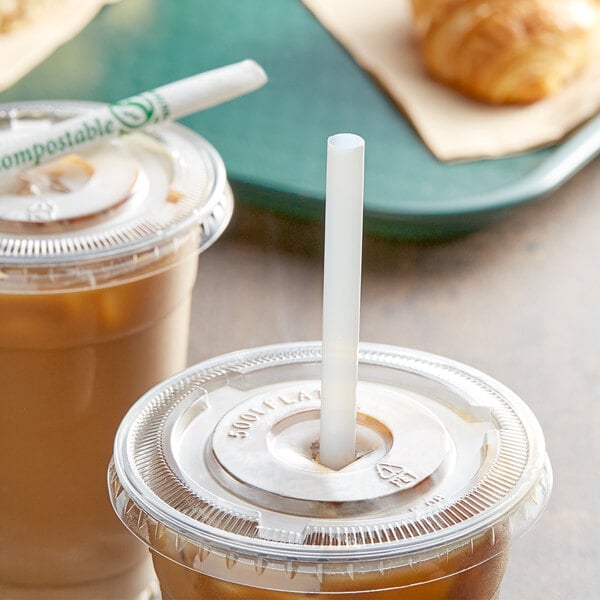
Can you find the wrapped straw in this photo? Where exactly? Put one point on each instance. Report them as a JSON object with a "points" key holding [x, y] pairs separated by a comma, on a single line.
{"points": [[171, 101]]}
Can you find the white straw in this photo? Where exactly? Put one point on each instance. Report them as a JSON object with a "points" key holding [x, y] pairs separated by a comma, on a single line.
{"points": [[171, 101], [341, 298]]}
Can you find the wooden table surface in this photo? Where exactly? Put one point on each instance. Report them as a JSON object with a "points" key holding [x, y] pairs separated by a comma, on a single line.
{"points": [[520, 301]]}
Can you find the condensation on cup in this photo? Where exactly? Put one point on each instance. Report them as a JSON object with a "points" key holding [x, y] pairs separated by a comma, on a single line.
{"points": [[217, 471], [98, 258]]}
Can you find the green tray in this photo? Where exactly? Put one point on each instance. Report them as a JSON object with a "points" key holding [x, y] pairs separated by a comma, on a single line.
{"points": [[274, 141]]}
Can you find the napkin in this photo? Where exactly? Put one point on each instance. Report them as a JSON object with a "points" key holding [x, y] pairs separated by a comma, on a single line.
{"points": [[29, 44], [378, 34]]}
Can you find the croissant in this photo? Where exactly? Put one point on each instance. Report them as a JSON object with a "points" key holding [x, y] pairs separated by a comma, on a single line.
{"points": [[506, 51]]}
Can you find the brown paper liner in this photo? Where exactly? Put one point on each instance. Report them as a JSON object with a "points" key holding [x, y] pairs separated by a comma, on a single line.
{"points": [[30, 43], [379, 36]]}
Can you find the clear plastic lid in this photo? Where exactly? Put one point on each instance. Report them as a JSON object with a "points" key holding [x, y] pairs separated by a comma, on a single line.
{"points": [[219, 465], [128, 202]]}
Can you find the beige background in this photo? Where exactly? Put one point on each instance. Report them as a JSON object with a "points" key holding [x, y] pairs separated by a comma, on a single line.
{"points": [[520, 300]]}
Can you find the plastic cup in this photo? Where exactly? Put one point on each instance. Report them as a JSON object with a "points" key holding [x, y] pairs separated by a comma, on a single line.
{"points": [[98, 258], [217, 471]]}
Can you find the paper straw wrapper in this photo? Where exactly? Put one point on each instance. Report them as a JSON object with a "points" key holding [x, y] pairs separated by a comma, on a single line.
{"points": [[171, 101]]}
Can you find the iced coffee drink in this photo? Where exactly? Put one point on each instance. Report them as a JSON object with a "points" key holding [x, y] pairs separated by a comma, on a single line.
{"points": [[98, 257], [217, 470]]}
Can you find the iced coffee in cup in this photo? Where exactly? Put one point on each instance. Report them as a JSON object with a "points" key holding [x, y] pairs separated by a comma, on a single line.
{"points": [[98, 257], [218, 471], [322, 470]]}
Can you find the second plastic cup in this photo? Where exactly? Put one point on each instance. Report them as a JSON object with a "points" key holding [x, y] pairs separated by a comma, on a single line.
{"points": [[217, 471], [98, 259]]}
